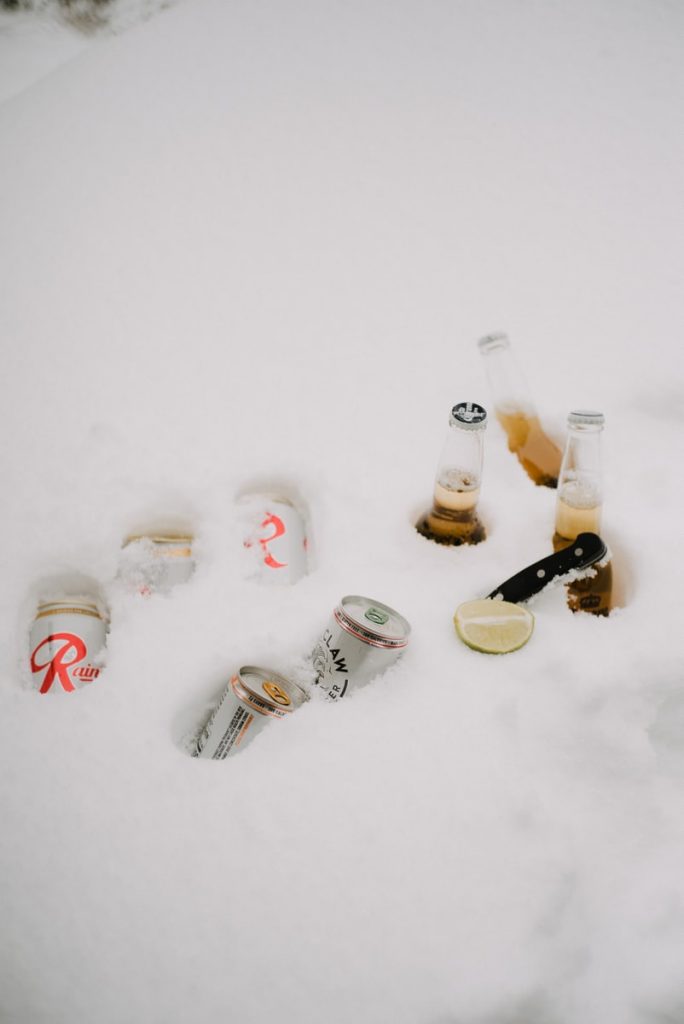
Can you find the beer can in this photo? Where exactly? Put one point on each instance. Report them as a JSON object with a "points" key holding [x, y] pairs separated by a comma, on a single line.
{"points": [[65, 636], [155, 563], [362, 639], [254, 696], [277, 538]]}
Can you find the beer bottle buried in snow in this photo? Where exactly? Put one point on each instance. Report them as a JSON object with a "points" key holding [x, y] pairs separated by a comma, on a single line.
{"points": [[537, 454], [453, 519], [579, 506]]}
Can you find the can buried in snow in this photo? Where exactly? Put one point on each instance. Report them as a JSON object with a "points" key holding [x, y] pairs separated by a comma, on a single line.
{"points": [[157, 562], [252, 698], [65, 636], [277, 538], [363, 638]]}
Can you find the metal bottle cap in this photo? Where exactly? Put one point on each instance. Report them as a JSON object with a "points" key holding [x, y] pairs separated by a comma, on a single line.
{"points": [[468, 416], [492, 341], [585, 418]]}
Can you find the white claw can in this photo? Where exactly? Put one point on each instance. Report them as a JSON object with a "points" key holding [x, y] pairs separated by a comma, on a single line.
{"points": [[66, 636], [363, 638], [252, 699], [154, 563], [276, 537]]}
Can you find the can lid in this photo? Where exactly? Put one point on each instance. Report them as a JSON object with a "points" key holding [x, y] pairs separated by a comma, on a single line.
{"points": [[491, 341], [270, 497], [69, 606], [162, 545], [373, 621], [468, 416], [278, 694], [161, 538], [585, 418]]}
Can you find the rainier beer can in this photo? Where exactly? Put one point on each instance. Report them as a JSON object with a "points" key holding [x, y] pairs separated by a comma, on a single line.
{"points": [[363, 638], [154, 563], [66, 635], [253, 697], [277, 538]]}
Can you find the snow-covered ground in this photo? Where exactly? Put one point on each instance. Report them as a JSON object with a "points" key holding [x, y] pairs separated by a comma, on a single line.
{"points": [[247, 244], [32, 46]]}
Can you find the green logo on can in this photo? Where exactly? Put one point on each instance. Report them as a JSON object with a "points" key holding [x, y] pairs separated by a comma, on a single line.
{"points": [[377, 616]]}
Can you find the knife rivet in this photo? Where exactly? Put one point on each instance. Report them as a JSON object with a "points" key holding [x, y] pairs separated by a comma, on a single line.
{"points": [[579, 552], [541, 573]]}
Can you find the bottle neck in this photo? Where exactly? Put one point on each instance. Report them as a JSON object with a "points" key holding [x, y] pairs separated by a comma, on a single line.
{"points": [[459, 472], [580, 485], [506, 380]]}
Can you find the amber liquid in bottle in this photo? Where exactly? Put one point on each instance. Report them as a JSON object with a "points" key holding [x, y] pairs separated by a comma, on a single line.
{"points": [[592, 594], [536, 452], [453, 519]]}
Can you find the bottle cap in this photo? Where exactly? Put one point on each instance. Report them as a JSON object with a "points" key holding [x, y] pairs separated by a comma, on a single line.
{"points": [[585, 418], [492, 341], [468, 416]]}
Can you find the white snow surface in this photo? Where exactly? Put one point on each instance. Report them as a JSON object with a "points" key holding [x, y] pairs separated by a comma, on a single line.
{"points": [[252, 244]]}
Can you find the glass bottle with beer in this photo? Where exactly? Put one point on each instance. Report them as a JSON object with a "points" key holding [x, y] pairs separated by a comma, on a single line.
{"points": [[453, 518], [579, 506], [536, 452]]}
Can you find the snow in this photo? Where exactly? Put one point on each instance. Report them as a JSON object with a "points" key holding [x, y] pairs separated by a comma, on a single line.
{"points": [[251, 244], [31, 47]]}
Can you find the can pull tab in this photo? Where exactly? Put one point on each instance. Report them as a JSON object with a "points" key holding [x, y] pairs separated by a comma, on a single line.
{"points": [[276, 693], [377, 616], [582, 553]]}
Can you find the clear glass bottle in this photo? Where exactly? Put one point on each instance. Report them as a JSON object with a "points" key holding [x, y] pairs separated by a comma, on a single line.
{"points": [[452, 518], [579, 507], [536, 452]]}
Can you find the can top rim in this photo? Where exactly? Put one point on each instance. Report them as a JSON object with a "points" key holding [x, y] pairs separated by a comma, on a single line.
{"points": [[78, 604], [78, 601], [377, 619], [296, 693], [161, 538], [274, 496]]}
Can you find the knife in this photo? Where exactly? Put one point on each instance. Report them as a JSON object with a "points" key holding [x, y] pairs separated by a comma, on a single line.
{"points": [[585, 551]]}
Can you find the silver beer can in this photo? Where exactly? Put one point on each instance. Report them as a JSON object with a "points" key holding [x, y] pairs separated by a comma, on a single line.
{"points": [[363, 638], [154, 563], [276, 538], [253, 697], [65, 636]]}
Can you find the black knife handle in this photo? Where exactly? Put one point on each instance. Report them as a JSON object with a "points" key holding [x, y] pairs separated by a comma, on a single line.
{"points": [[581, 553]]}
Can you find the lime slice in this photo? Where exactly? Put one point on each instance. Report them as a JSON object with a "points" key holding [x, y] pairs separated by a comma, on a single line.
{"points": [[493, 627]]}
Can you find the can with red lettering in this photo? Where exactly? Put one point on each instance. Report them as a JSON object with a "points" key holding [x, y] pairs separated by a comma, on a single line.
{"points": [[276, 538], [154, 563], [253, 697], [66, 636]]}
